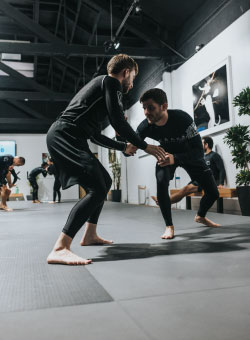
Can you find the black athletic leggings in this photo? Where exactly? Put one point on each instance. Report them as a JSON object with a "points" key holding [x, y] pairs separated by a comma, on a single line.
{"points": [[199, 172], [96, 183], [35, 187], [56, 189]]}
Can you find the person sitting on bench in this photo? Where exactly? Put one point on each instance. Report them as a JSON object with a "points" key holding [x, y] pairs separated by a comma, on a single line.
{"points": [[214, 161]]}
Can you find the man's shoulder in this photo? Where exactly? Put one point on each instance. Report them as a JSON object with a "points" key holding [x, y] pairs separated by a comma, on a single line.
{"points": [[144, 125], [179, 113], [36, 169], [110, 81], [7, 158], [215, 155]]}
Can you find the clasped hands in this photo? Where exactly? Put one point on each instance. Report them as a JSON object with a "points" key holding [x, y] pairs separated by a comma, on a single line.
{"points": [[163, 158]]}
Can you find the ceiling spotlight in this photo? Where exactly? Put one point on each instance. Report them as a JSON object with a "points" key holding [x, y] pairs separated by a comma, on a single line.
{"points": [[116, 45], [198, 47], [138, 9], [109, 45], [26, 99]]}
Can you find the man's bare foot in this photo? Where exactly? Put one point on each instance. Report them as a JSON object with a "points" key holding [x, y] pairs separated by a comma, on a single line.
{"points": [[65, 256], [169, 233], [206, 221], [52, 202], [154, 198], [95, 240], [5, 208], [90, 236]]}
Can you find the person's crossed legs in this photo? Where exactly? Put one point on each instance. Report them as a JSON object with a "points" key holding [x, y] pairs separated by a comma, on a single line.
{"points": [[188, 189]]}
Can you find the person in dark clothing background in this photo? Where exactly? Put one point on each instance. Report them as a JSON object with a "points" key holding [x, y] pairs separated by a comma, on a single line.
{"points": [[6, 191], [178, 136], [33, 182], [7, 163], [214, 161], [57, 184], [97, 104]]}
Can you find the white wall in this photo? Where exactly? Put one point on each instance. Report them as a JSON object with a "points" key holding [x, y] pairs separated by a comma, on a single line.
{"points": [[31, 147], [233, 42]]}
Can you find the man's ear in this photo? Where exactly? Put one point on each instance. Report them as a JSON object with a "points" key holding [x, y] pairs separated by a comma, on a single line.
{"points": [[165, 106], [125, 72]]}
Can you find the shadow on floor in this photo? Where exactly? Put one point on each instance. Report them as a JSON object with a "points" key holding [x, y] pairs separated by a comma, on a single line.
{"points": [[210, 240]]}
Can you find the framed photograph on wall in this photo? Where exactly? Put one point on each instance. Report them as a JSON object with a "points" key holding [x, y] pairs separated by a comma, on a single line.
{"points": [[212, 99]]}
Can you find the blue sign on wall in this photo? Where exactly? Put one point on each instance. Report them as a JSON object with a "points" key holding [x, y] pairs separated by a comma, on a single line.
{"points": [[7, 147]]}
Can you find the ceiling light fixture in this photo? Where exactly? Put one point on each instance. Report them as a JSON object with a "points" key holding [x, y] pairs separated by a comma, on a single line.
{"points": [[116, 45], [114, 42], [199, 47]]}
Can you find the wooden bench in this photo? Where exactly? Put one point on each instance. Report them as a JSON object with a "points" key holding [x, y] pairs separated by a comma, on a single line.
{"points": [[16, 197], [224, 193]]}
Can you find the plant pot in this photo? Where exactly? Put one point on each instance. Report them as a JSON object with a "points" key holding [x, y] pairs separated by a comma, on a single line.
{"points": [[116, 195], [244, 199]]}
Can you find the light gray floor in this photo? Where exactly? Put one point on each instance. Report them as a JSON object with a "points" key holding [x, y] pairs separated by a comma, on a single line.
{"points": [[195, 287]]}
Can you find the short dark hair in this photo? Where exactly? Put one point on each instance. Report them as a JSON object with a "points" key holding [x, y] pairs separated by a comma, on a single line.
{"points": [[21, 160], [159, 96], [209, 141], [44, 164], [121, 61]]}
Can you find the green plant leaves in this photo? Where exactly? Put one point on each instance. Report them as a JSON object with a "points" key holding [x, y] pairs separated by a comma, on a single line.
{"points": [[243, 102], [238, 138]]}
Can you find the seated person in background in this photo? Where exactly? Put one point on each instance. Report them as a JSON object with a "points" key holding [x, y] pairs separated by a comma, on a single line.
{"points": [[214, 161], [188, 189], [32, 179], [57, 183], [7, 162]]}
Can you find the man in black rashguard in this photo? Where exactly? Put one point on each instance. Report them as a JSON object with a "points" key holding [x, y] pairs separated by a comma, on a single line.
{"points": [[96, 105], [214, 161], [178, 136], [7, 163], [32, 179]]}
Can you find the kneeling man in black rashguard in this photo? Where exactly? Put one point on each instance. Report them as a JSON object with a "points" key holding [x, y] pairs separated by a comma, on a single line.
{"points": [[176, 132]]}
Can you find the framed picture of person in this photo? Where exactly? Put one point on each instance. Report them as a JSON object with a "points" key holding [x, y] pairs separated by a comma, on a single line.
{"points": [[212, 99]]}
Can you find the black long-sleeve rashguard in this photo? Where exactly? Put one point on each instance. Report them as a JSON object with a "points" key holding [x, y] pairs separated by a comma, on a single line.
{"points": [[89, 109], [179, 137], [37, 171]]}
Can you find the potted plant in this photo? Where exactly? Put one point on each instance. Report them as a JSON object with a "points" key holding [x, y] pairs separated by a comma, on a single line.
{"points": [[238, 139], [116, 171]]}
